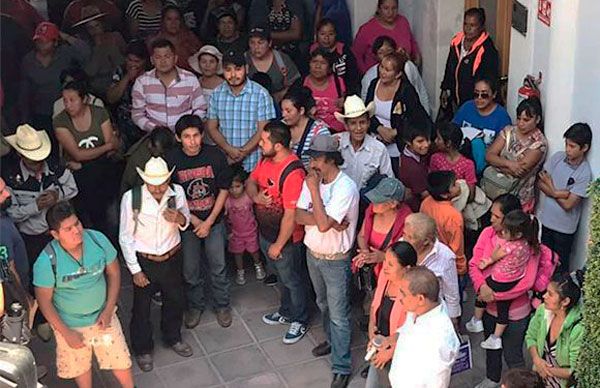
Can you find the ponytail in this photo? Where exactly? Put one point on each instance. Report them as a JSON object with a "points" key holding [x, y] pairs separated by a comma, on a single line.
{"points": [[517, 221], [569, 285]]}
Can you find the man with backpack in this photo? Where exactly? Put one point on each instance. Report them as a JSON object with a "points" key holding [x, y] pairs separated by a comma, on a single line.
{"points": [[152, 217], [77, 280], [275, 186]]}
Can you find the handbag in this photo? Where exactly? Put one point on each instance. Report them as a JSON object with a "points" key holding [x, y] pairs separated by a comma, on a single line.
{"points": [[496, 183]]}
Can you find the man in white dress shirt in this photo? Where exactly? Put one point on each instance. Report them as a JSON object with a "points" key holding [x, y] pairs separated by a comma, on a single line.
{"points": [[427, 344], [152, 217]]}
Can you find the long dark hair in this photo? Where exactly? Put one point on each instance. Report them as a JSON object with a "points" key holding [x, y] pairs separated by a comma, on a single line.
{"points": [[404, 253], [517, 221], [569, 285]]}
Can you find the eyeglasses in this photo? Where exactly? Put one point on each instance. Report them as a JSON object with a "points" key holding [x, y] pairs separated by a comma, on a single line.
{"points": [[482, 95]]}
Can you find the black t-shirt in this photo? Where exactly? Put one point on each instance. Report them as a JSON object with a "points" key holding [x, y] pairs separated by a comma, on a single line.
{"points": [[202, 176]]}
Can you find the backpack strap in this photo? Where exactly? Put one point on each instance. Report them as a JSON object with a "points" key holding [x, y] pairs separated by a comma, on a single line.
{"points": [[304, 136], [51, 252], [281, 66], [293, 166], [338, 86], [136, 205]]}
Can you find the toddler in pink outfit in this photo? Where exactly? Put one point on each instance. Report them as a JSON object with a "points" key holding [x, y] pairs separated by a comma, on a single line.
{"points": [[243, 236], [507, 263]]}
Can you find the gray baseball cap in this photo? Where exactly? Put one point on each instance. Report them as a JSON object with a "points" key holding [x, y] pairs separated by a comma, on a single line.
{"points": [[323, 144], [387, 189]]}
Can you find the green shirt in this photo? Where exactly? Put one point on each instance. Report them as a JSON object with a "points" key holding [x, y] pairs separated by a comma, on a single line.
{"points": [[79, 287]]}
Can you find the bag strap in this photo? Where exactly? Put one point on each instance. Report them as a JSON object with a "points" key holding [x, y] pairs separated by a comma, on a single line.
{"points": [[281, 66], [304, 136], [387, 239], [136, 205], [51, 252], [338, 86], [293, 166]]}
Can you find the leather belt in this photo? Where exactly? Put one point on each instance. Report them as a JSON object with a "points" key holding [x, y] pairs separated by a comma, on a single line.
{"points": [[328, 256], [164, 257]]}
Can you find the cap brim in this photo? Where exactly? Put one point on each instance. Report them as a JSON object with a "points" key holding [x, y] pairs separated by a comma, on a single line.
{"points": [[36, 155], [89, 19]]}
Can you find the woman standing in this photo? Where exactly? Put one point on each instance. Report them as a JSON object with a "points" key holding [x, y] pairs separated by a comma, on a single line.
{"points": [[519, 151], [388, 22], [555, 332], [86, 136], [296, 108], [472, 55], [144, 16], [327, 88], [396, 105]]}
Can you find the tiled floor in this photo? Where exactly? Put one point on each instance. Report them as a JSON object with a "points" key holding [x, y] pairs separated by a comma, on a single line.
{"points": [[247, 354]]}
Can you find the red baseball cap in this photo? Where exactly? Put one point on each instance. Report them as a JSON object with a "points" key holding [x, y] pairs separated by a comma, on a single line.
{"points": [[46, 31]]}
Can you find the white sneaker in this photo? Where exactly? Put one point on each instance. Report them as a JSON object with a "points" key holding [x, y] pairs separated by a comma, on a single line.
{"points": [[492, 343], [487, 383], [240, 277], [260, 271], [474, 325]]}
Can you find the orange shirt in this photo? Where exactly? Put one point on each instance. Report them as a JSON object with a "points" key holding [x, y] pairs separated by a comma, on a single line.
{"points": [[450, 228]]}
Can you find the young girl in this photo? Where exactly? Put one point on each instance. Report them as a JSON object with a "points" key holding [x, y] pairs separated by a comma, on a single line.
{"points": [[243, 227], [508, 263], [448, 157]]}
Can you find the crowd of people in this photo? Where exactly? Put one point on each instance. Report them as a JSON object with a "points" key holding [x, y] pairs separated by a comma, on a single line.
{"points": [[165, 137]]}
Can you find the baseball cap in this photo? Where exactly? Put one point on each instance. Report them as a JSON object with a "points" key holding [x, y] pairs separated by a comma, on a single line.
{"points": [[234, 58], [387, 189], [260, 32], [323, 144], [221, 12], [46, 31]]}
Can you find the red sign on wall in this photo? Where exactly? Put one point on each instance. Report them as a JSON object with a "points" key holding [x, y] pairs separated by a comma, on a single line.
{"points": [[545, 11]]}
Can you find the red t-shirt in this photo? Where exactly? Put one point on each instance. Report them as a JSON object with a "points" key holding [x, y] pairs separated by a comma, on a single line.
{"points": [[464, 168], [266, 174]]}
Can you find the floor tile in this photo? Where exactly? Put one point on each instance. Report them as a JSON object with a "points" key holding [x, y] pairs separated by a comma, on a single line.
{"points": [[148, 380], [215, 338], [164, 356], [316, 373], [240, 363], [261, 330], [266, 380], [254, 296], [282, 354], [189, 374]]}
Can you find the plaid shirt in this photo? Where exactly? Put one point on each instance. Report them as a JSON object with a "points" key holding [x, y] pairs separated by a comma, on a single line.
{"points": [[239, 115], [156, 104]]}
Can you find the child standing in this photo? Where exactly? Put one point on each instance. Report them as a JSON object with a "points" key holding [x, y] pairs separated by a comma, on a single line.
{"points": [[415, 164], [243, 227], [564, 182], [508, 263]]}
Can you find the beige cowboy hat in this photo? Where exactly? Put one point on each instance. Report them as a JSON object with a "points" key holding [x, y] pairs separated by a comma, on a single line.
{"points": [[156, 172], [194, 60], [355, 107], [88, 14], [32, 144]]}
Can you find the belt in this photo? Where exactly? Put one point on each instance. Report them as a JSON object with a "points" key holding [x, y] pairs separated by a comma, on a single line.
{"points": [[164, 257], [328, 256]]}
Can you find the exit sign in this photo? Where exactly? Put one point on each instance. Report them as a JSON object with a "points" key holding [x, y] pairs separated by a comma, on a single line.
{"points": [[545, 11]]}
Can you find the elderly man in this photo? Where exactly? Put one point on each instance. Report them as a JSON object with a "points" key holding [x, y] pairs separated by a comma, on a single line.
{"points": [[427, 344], [420, 232], [364, 156], [152, 217]]}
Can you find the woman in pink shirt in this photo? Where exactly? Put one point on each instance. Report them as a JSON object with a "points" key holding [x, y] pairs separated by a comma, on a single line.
{"points": [[327, 88], [388, 22]]}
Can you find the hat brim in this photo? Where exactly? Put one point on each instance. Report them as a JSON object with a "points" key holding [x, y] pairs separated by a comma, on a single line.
{"points": [[194, 62], [89, 19], [316, 154], [154, 180], [36, 155], [370, 109]]}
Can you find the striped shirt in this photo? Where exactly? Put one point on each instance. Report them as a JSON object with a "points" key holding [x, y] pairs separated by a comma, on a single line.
{"points": [[239, 115], [148, 24], [154, 104]]}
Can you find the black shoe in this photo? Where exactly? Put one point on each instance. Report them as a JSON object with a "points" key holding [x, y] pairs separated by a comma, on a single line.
{"points": [[145, 362], [271, 280], [321, 349], [157, 298], [365, 372], [340, 381]]}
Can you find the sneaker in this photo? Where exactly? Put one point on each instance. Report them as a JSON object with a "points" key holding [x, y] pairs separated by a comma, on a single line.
{"points": [[340, 381], [487, 383], [271, 280], [492, 343], [157, 299], [474, 325], [275, 319], [240, 277], [294, 333], [260, 272]]}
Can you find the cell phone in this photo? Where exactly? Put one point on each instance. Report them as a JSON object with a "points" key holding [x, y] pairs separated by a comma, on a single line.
{"points": [[171, 203]]}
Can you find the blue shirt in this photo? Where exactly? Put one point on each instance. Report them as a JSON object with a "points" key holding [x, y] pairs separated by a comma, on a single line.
{"points": [[468, 116], [565, 176], [79, 287], [239, 115]]}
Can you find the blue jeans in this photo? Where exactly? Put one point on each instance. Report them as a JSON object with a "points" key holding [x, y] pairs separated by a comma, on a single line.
{"points": [[331, 280], [294, 285], [210, 249]]}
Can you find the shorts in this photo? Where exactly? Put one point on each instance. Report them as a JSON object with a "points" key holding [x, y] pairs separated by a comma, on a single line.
{"points": [[108, 345], [239, 245]]}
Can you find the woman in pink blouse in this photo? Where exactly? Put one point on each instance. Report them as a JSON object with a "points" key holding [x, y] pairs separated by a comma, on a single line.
{"points": [[388, 22]]}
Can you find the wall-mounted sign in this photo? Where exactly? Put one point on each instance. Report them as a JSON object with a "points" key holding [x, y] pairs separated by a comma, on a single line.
{"points": [[519, 17], [545, 11]]}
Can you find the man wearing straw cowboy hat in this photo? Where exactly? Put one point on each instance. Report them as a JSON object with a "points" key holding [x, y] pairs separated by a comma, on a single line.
{"points": [[364, 156], [37, 182], [152, 217]]}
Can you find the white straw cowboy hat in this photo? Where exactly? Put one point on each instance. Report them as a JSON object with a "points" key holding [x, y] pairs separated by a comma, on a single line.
{"points": [[355, 107], [88, 14], [156, 172], [32, 144], [194, 60]]}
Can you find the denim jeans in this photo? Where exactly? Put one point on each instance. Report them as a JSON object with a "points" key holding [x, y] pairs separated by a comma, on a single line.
{"points": [[331, 280], [378, 378], [512, 346], [294, 285], [212, 250]]}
